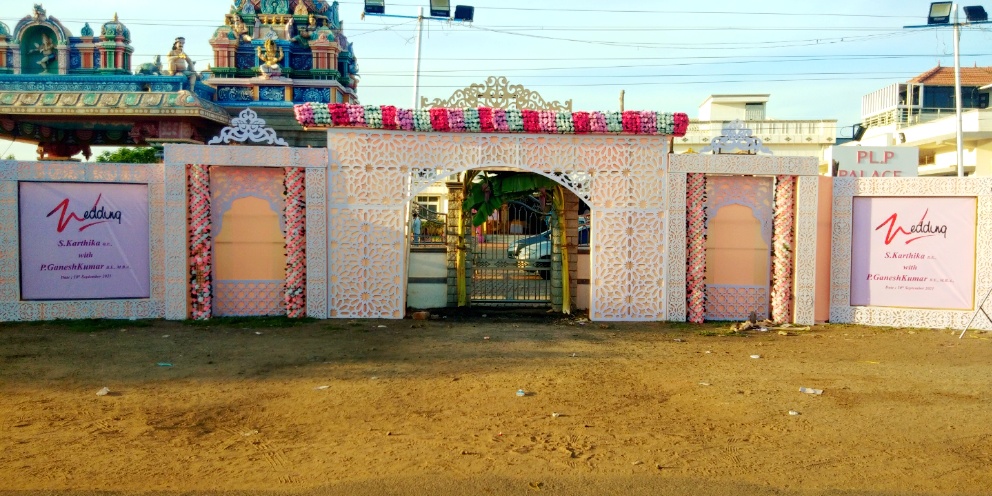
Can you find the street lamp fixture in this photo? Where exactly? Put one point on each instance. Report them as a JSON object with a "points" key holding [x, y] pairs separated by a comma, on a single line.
{"points": [[440, 8], [940, 13], [375, 6], [464, 13], [976, 13]]}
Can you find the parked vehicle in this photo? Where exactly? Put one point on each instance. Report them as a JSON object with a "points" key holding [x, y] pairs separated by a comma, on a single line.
{"points": [[536, 257], [513, 248]]}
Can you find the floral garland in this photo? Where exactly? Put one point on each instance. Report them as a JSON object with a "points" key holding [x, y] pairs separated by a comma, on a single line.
{"points": [[200, 257], [491, 120], [696, 247], [782, 242], [294, 294]]}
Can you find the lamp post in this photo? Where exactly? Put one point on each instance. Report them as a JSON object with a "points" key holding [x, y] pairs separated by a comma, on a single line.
{"points": [[940, 15], [440, 11]]}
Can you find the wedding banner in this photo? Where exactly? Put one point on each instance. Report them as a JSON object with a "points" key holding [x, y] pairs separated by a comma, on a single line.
{"points": [[914, 252], [83, 241]]}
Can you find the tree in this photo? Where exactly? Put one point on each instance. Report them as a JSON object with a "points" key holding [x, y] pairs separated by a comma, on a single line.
{"points": [[129, 156]]}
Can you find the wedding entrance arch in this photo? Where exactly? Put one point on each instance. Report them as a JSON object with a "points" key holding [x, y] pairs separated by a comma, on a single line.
{"points": [[372, 175]]}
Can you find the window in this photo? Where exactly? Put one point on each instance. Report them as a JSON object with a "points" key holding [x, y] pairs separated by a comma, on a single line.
{"points": [[432, 203], [754, 111]]}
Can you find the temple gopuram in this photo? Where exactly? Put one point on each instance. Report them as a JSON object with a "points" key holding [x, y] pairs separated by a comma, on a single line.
{"points": [[67, 93]]}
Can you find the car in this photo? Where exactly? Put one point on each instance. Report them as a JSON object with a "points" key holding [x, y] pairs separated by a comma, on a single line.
{"points": [[513, 248], [536, 257]]}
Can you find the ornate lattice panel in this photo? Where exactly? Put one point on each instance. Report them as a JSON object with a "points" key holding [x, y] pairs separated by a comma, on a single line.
{"points": [[805, 266], [373, 174], [677, 243], [729, 302], [315, 163], [244, 298], [846, 188], [366, 260], [12, 309], [804, 287]]}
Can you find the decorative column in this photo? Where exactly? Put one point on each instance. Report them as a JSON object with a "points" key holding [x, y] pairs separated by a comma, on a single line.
{"points": [[200, 253], [783, 238], [296, 242], [696, 247], [457, 285]]}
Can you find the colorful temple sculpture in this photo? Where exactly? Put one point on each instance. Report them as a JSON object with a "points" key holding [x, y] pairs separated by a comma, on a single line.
{"points": [[67, 93], [305, 44]]}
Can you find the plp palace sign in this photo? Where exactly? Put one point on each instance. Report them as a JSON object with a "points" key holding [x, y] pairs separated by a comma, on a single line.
{"points": [[874, 161]]}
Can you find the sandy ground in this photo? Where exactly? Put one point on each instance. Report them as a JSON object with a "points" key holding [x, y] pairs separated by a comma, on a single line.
{"points": [[430, 407]]}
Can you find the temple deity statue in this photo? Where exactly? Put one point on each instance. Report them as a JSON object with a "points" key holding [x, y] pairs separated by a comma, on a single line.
{"points": [[179, 63], [47, 50], [240, 30], [301, 8], [305, 34], [270, 59]]}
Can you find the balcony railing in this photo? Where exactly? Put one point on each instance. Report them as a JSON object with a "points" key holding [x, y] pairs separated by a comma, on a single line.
{"points": [[432, 227], [784, 131]]}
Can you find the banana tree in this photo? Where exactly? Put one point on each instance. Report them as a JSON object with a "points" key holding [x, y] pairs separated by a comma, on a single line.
{"points": [[487, 192]]}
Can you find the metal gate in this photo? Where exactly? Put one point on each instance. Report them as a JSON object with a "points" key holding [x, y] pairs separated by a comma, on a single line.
{"points": [[511, 256]]}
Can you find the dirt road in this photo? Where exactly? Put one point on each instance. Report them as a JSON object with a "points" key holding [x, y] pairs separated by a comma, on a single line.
{"points": [[430, 407]]}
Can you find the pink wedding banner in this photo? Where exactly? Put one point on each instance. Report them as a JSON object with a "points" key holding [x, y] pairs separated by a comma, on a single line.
{"points": [[83, 241], [914, 252]]}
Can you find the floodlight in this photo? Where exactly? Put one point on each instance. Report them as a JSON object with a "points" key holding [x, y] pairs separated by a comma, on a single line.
{"points": [[940, 13], [976, 13], [440, 8], [375, 6], [464, 13]]}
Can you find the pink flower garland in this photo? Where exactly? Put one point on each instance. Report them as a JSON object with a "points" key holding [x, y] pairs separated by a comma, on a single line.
{"points": [[294, 291], [782, 243], [200, 256], [695, 247], [490, 120]]}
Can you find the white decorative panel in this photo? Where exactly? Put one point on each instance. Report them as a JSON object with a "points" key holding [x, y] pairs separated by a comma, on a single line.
{"points": [[316, 189], [628, 266], [804, 167], [373, 174], [176, 158], [804, 280], [366, 265], [846, 188], [176, 267], [12, 309], [677, 244]]}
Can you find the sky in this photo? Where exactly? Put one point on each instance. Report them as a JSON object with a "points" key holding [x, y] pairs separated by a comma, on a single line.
{"points": [[815, 59]]}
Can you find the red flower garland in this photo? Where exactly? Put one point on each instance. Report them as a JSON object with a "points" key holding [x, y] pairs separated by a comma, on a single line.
{"points": [[581, 120], [339, 114], [532, 121], [681, 124], [389, 117], [486, 120], [632, 122], [439, 119]]}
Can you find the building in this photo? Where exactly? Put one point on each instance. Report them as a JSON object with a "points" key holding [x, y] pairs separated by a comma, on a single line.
{"points": [[796, 138], [921, 113]]}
